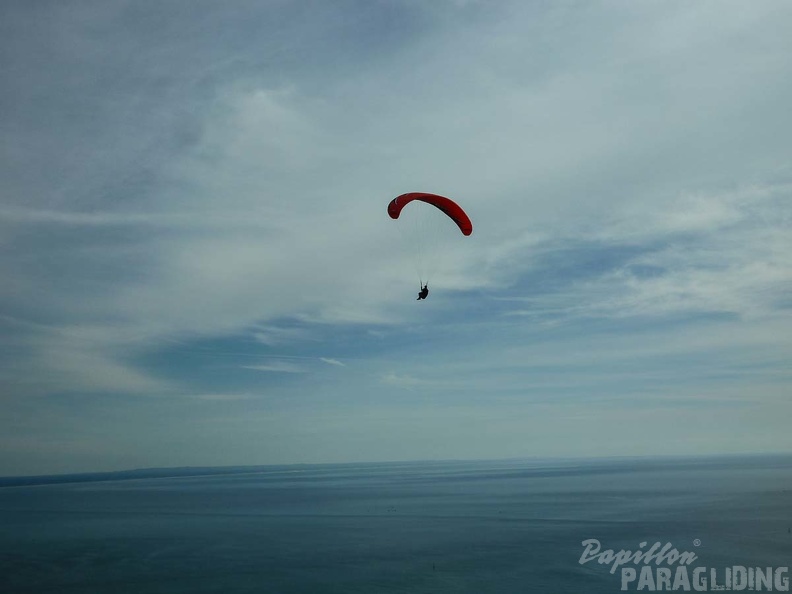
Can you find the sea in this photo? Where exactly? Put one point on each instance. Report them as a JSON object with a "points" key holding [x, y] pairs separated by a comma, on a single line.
{"points": [[504, 526]]}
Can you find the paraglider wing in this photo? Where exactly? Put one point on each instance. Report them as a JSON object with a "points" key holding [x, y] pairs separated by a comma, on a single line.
{"points": [[448, 206]]}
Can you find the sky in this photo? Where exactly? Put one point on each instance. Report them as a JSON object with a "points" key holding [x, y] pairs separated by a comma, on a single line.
{"points": [[197, 266]]}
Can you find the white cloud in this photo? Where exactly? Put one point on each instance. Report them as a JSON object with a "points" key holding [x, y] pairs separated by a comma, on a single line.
{"points": [[277, 366], [334, 362], [81, 359]]}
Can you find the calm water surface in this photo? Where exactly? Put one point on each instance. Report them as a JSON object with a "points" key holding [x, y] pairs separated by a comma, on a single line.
{"points": [[513, 526]]}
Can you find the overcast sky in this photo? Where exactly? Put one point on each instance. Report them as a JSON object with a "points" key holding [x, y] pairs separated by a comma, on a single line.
{"points": [[197, 266]]}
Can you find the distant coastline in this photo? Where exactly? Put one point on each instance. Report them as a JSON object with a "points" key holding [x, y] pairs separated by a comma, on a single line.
{"points": [[545, 466]]}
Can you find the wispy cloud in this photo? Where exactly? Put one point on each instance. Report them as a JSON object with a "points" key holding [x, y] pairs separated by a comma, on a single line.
{"points": [[277, 335], [334, 362], [277, 366]]}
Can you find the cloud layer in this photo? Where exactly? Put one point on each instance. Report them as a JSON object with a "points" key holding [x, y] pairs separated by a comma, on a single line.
{"points": [[193, 211]]}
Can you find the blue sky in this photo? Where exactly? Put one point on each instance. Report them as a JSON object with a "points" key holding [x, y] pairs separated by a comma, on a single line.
{"points": [[198, 268]]}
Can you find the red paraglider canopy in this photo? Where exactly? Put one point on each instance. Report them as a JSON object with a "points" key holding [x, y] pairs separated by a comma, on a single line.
{"points": [[448, 206]]}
